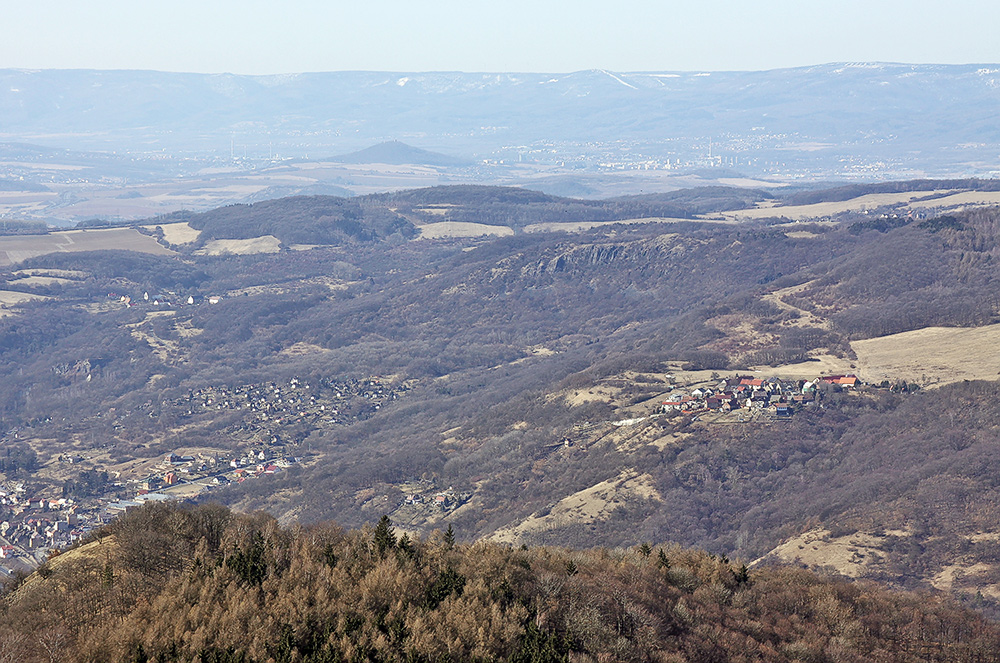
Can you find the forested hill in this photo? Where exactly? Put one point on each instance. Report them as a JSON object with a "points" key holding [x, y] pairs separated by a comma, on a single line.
{"points": [[165, 584], [328, 220], [331, 220]]}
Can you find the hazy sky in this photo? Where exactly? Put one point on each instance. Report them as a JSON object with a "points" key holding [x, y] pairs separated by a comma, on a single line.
{"points": [[256, 37]]}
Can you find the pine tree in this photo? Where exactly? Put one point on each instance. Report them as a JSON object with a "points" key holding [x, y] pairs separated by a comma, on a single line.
{"points": [[405, 547], [743, 576], [108, 574], [330, 556], [662, 561], [449, 537], [385, 537]]}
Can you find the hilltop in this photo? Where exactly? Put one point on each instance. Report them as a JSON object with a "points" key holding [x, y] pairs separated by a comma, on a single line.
{"points": [[396, 152], [164, 584]]}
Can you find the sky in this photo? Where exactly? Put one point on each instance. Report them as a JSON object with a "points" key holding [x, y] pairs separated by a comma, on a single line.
{"points": [[294, 36]]}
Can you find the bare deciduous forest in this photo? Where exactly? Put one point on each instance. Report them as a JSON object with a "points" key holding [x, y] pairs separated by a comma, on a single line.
{"points": [[204, 584]]}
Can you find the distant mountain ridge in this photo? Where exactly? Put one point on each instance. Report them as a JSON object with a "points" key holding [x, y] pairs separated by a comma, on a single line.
{"points": [[890, 111]]}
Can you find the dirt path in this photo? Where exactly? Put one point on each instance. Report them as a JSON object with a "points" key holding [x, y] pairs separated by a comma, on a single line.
{"points": [[806, 318]]}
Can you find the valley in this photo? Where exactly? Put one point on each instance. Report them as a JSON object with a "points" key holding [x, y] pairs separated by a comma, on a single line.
{"points": [[585, 372]]}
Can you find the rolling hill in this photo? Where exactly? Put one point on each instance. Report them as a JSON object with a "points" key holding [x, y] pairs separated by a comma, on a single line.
{"points": [[513, 386]]}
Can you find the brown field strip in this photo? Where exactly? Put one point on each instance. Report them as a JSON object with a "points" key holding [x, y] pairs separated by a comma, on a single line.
{"points": [[931, 356], [15, 249]]}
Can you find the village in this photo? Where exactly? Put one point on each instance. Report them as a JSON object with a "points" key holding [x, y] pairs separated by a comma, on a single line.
{"points": [[33, 528], [752, 395], [268, 405], [36, 522]]}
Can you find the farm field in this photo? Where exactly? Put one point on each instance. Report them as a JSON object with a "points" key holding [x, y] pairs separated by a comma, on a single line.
{"points": [[932, 356], [444, 229], [15, 249], [817, 210]]}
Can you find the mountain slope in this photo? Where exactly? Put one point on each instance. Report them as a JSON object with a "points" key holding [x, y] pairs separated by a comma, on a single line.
{"points": [[164, 584], [513, 386]]}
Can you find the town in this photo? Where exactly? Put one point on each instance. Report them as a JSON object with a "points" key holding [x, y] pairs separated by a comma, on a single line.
{"points": [[32, 528], [38, 517]]}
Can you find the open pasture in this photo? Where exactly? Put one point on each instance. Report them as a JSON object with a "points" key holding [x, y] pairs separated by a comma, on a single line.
{"points": [[18, 248], [932, 356]]}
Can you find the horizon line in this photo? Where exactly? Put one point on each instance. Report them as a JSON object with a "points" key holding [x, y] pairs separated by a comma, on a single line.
{"points": [[860, 64]]}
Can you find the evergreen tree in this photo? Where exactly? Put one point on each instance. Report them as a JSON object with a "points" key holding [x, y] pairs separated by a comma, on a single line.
{"points": [[329, 556], [662, 561], [405, 547], [449, 537], [385, 537], [108, 574], [743, 576]]}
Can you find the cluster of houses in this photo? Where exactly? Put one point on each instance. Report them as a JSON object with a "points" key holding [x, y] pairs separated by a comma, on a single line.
{"points": [[31, 528], [212, 470], [268, 403], [48, 530], [444, 500], [160, 300], [775, 395]]}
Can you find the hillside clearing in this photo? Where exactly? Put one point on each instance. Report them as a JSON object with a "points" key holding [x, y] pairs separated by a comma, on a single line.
{"points": [[69, 274], [806, 318], [932, 356], [446, 229], [585, 506], [818, 364], [176, 233], [956, 577], [15, 297], [15, 249], [40, 280], [241, 247], [851, 555]]}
